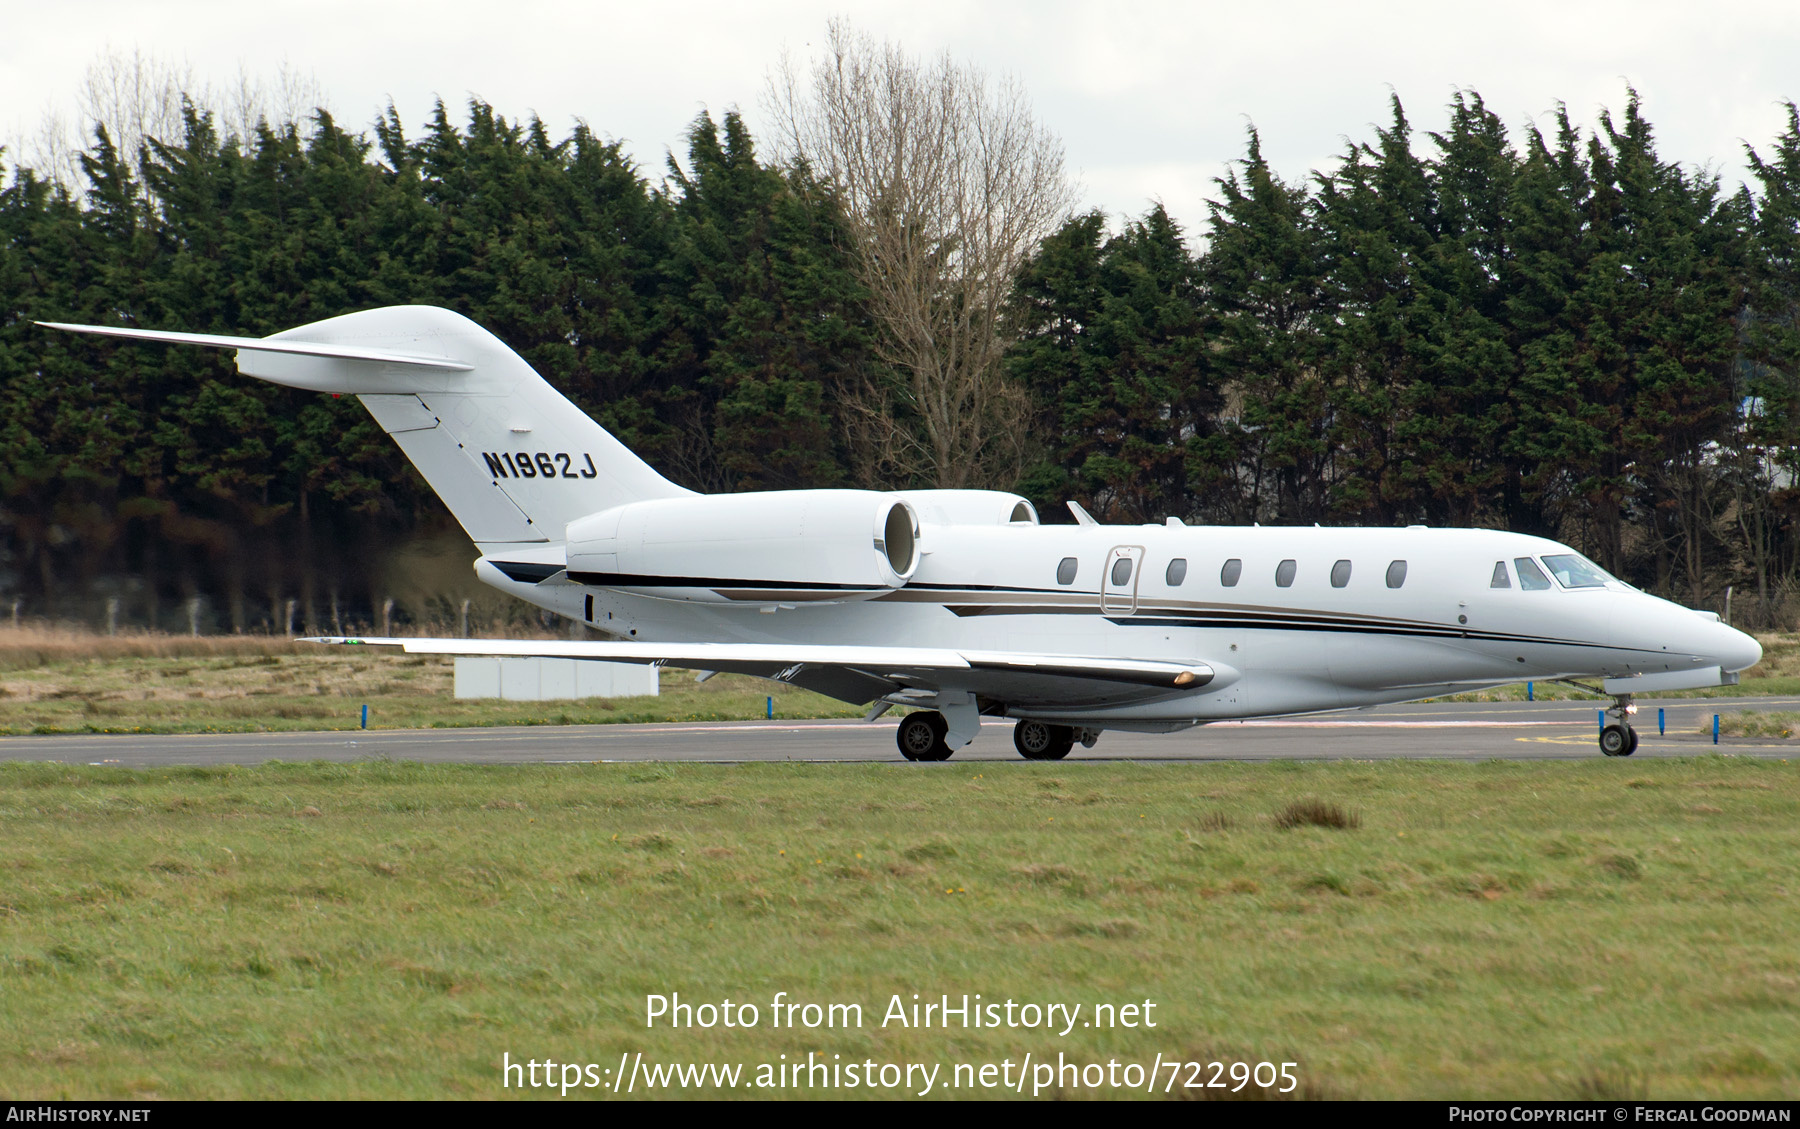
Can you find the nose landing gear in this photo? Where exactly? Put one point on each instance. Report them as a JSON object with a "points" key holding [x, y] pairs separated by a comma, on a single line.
{"points": [[1617, 737]]}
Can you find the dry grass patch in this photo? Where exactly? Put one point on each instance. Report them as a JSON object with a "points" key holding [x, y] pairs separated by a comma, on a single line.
{"points": [[1755, 723], [1316, 813], [254, 684]]}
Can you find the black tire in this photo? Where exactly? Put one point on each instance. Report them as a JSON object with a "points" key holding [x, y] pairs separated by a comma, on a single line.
{"points": [[1631, 742], [921, 736], [1041, 741], [1615, 742]]}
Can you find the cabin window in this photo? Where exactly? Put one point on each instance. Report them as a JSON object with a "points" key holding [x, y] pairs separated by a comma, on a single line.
{"points": [[1340, 574], [1177, 572], [1065, 572], [1228, 576], [1284, 574], [1531, 577], [1396, 574], [1501, 579], [1121, 572], [1572, 571]]}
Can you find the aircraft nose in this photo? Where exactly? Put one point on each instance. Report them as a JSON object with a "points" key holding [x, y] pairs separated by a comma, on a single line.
{"points": [[1736, 650]]}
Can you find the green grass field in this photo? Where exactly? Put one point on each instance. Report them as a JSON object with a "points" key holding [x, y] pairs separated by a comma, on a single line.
{"points": [[1538, 929]]}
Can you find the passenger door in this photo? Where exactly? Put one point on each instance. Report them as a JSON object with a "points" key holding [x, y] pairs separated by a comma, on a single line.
{"points": [[1119, 580]]}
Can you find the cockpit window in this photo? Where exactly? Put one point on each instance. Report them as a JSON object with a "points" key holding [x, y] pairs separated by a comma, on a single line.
{"points": [[1573, 571], [1501, 579], [1531, 577]]}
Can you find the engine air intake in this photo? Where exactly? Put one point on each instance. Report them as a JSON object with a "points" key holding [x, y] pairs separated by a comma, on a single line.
{"points": [[897, 540]]}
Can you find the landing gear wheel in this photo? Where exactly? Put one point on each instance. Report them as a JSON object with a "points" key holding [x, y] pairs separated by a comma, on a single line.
{"points": [[1617, 740], [921, 736], [1041, 741]]}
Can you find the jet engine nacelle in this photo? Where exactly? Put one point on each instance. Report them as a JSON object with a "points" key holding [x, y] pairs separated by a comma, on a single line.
{"points": [[787, 547]]}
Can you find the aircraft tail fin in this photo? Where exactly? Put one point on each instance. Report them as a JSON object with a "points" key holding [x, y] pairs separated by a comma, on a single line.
{"points": [[513, 459]]}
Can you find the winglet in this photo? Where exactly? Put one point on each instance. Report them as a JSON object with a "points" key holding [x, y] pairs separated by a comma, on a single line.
{"points": [[1082, 517]]}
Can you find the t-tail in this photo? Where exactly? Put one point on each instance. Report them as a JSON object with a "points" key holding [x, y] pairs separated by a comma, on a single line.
{"points": [[513, 459]]}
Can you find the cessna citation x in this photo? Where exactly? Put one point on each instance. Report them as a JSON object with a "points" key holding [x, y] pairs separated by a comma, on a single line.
{"points": [[958, 603]]}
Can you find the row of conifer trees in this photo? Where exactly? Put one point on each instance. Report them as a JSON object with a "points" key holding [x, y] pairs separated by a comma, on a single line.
{"points": [[1566, 333]]}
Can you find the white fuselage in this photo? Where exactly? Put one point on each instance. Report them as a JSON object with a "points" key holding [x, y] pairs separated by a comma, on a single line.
{"points": [[1304, 646]]}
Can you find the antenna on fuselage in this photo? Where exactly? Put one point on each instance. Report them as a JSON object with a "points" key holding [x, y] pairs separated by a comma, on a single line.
{"points": [[1082, 517]]}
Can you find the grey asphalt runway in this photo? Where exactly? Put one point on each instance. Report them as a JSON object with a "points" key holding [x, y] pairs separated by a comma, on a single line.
{"points": [[1444, 730]]}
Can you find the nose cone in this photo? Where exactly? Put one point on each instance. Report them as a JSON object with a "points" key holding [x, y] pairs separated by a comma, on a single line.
{"points": [[1736, 650]]}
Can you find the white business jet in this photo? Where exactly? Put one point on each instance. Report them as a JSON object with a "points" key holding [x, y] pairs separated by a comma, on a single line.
{"points": [[958, 603]]}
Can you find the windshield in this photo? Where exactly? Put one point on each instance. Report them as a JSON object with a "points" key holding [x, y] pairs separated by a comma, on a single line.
{"points": [[1531, 577], [1572, 571]]}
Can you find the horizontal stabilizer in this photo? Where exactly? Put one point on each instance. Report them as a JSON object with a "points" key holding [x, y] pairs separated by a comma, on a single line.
{"points": [[268, 345]]}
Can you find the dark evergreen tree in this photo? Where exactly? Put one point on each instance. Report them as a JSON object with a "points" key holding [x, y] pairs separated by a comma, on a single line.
{"points": [[764, 313], [1545, 216], [1264, 277], [1113, 352], [1378, 227], [1459, 410], [1764, 447]]}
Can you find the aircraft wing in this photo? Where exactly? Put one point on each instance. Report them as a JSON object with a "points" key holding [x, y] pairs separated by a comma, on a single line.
{"points": [[864, 674]]}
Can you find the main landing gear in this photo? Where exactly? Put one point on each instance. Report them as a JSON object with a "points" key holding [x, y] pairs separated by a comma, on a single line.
{"points": [[1617, 737], [1041, 741], [921, 736]]}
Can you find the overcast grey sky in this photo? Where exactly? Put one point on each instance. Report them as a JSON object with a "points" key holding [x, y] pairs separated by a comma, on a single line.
{"points": [[1151, 99]]}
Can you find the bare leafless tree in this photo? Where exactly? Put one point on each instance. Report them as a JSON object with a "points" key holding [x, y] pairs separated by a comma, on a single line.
{"points": [[54, 152], [949, 183], [290, 98], [138, 96], [135, 96]]}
